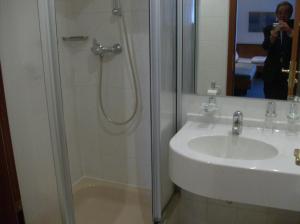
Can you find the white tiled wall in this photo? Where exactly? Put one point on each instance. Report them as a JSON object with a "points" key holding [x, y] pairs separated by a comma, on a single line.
{"points": [[251, 108], [195, 209], [212, 43], [97, 149]]}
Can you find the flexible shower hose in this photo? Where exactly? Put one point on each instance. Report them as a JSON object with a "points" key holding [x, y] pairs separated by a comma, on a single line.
{"points": [[134, 78]]}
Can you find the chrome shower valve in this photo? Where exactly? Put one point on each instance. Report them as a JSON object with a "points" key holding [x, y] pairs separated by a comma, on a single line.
{"points": [[117, 11], [99, 49]]}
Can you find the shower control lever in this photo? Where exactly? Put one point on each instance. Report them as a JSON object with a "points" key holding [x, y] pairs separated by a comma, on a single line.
{"points": [[99, 49]]}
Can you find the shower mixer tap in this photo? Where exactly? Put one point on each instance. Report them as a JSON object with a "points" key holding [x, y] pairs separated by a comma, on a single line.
{"points": [[117, 11], [99, 49]]}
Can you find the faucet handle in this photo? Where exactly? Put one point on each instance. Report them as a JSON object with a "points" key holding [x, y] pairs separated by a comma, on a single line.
{"points": [[271, 109], [238, 114]]}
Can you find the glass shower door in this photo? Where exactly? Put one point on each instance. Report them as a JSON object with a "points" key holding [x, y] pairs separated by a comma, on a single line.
{"points": [[103, 48]]}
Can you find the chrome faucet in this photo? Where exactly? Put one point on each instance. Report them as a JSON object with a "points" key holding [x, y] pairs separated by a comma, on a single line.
{"points": [[99, 49], [237, 124]]}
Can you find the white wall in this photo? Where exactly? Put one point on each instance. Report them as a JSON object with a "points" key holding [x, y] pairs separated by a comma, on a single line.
{"points": [[251, 108], [246, 6], [23, 74], [212, 41], [97, 149], [194, 209]]}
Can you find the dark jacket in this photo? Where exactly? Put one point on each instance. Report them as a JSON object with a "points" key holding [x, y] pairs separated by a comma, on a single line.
{"points": [[279, 55]]}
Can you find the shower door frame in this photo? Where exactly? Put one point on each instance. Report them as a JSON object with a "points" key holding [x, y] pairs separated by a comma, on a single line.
{"points": [[51, 66], [49, 42], [155, 67], [156, 75]]}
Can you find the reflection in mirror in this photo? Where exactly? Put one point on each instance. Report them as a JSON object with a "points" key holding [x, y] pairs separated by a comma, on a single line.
{"points": [[244, 46], [297, 86], [263, 48], [211, 44], [188, 40]]}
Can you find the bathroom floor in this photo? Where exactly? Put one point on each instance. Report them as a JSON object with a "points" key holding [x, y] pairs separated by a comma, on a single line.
{"points": [[98, 202]]}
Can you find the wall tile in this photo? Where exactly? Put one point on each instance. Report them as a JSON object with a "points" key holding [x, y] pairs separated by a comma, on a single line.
{"points": [[193, 212], [247, 216], [115, 155], [280, 216], [195, 209], [212, 29], [217, 213], [212, 43]]}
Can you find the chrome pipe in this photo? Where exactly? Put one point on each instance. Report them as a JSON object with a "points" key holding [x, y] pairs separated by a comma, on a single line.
{"points": [[117, 8]]}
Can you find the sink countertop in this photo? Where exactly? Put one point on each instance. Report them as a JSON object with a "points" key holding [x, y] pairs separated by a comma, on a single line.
{"points": [[284, 162], [272, 182]]}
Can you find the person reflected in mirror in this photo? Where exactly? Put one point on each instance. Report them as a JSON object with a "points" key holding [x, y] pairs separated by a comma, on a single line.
{"points": [[278, 44]]}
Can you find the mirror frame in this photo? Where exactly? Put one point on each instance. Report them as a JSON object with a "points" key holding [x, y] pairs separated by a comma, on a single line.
{"points": [[231, 47]]}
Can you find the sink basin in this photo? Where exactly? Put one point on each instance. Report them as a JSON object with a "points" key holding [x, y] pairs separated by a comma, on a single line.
{"points": [[233, 147], [255, 168]]}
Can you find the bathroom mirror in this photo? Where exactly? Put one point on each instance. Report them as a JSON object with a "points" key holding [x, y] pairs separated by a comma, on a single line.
{"points": [[248, 47]]}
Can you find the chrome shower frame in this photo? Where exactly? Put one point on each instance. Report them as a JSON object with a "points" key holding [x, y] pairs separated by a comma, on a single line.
{"points": [[155, 66], [55, 105], [47, 18]]}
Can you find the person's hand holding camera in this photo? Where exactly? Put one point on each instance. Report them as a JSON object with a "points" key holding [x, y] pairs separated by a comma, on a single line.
{"points": [[275, 33], [284, 27], [280, 27]]}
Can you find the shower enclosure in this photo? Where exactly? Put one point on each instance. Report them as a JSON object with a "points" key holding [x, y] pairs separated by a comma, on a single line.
{"points": [[103, 55], [108, 136], [95, 107]]}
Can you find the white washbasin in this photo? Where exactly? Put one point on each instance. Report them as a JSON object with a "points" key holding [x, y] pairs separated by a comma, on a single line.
{"points": [[256, 167], [233, 147]]}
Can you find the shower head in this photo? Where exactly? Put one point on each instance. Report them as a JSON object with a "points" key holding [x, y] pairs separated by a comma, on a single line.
{"points": [[117, 8]]}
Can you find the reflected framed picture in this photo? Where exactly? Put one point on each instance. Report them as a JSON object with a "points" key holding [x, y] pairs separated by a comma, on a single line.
{"points": [[259, 20]]}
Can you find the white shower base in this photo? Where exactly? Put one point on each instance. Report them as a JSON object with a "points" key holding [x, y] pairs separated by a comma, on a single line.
{"points": [[98, 202]]}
